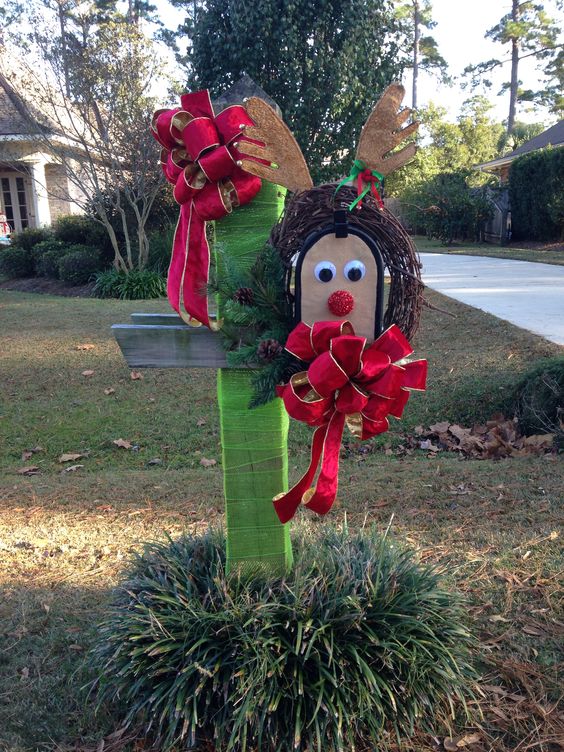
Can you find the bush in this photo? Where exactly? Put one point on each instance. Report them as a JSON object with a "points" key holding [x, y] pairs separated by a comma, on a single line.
{"points": [[538, 399], [136, 285], [160, 249], [47, 265], [357, 641], [30, 237], [447, 208], [79, 229], [536, 195], [16, 262], [79, 264]]}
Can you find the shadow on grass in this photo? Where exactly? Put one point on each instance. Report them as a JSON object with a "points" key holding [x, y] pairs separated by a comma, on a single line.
{"points": [[46, 633]]}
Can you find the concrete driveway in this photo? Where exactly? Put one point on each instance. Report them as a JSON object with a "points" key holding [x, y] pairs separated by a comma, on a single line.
{"points": [[527, 294]]}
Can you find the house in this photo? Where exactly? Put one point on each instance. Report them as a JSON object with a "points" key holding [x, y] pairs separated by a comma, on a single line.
{"points": [[498, 229], [34, 187], [553, 136]]}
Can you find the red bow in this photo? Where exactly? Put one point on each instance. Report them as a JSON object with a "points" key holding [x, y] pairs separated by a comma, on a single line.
{"points": [[367, 176], [346, 382], [199, 158]]}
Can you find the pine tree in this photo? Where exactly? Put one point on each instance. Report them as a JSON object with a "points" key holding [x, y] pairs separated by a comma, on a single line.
{"points": [[529, 31]]}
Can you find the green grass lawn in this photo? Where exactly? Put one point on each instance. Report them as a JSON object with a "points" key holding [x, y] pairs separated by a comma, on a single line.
{"points": [[64, 536], [550, 253]]}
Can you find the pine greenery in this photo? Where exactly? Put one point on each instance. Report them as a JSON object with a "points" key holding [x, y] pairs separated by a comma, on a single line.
{"points": [[268, 317], [357, 646]]}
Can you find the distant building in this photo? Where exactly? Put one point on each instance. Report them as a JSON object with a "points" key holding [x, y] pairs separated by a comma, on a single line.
{"points": [[553, 136], [34, 187], [498, 229]]}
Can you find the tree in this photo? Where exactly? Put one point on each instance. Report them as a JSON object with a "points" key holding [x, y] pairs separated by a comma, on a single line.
{"points": [[422, 51], [324, 63], [451, 147], [101, 136], [521, 133], [530, 32]]}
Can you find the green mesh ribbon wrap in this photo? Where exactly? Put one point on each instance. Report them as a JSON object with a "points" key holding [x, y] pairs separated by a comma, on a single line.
{"points": [[254, 442]]}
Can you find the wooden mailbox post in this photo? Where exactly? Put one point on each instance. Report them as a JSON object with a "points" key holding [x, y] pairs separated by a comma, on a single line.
{"points": [[254, 442]]}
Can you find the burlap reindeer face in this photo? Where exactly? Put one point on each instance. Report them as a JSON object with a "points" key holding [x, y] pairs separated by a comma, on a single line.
{"points": [[340, 267], [341, 278]]}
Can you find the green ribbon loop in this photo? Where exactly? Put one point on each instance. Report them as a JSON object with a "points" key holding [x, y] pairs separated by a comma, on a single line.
{"points": [[358, 168]]}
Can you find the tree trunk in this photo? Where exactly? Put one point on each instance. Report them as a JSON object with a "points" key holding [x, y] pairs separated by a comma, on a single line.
{"points": [[514, 71], [64, 50], [416, 35]]}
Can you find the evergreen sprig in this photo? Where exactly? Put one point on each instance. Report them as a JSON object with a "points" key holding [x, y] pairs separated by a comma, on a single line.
{"points": [[268, 317]]}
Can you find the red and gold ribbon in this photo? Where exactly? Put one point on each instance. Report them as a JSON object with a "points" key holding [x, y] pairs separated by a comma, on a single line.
{"points": [[347, 383], [199, 158]]}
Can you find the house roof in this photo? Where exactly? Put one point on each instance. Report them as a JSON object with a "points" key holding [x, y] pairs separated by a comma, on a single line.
{"points": [[19, 115], [553, 136]]}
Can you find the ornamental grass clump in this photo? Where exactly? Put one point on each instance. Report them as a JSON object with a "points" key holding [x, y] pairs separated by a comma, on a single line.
{"points": [[358, 644]]}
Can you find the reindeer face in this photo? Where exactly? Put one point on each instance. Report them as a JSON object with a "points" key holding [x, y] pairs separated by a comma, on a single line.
{"points": [[341, 278]]}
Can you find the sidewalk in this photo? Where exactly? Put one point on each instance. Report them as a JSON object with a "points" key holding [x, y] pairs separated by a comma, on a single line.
{"points": [[527, 294]]}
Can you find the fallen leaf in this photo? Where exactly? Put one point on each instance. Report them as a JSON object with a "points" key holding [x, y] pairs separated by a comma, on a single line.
{"points": [[109, 390], [88, 373], [123, 443], [27, 455], [72, 468], [201, 422], [29, 470], [468, 739], [499, 617], [207, 463], [155, 461], [136, 376], [24, 673], [70, 457], [428, 444], [439, 427], [86, 346]]}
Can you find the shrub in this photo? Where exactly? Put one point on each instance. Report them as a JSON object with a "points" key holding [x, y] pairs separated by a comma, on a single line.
{"points": [[536, 195], [30, 237], [47, 265], [447, 208], [357, 641], [538, 399], [160, 249], [15, 262], [79, 264], [46, 256], [79, 229], [136, 285]]}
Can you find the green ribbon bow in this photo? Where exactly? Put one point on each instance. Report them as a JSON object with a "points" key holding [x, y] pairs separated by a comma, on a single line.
{"points": [[358, 173]]}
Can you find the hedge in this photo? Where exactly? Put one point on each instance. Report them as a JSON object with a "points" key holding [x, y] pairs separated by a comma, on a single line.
{"points": [[536, 194]]}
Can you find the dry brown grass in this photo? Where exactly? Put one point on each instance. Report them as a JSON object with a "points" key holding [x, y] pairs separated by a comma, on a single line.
{"points": [[64, 537]]}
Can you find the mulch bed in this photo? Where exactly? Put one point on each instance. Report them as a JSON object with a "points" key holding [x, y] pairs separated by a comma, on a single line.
{"points": [[49, 287]]}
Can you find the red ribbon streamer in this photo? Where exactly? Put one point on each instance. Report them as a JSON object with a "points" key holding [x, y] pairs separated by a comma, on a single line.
{"points": [[347, 382], [199, 158]]}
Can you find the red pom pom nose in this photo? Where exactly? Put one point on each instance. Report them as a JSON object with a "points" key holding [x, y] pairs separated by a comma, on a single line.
{"points": [[340, 303]]}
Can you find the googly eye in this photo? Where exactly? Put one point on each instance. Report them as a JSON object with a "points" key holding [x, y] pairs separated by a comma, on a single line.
{"points": [[325, 271], [354, 270]]}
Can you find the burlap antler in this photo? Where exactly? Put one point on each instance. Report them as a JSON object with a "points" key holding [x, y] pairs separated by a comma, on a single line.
{"points": [[287, 165], [382, 132]]}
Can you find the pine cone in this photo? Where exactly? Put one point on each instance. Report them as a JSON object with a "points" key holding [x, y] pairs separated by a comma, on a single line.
{"points": [[244, 296], [268, 349]]}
